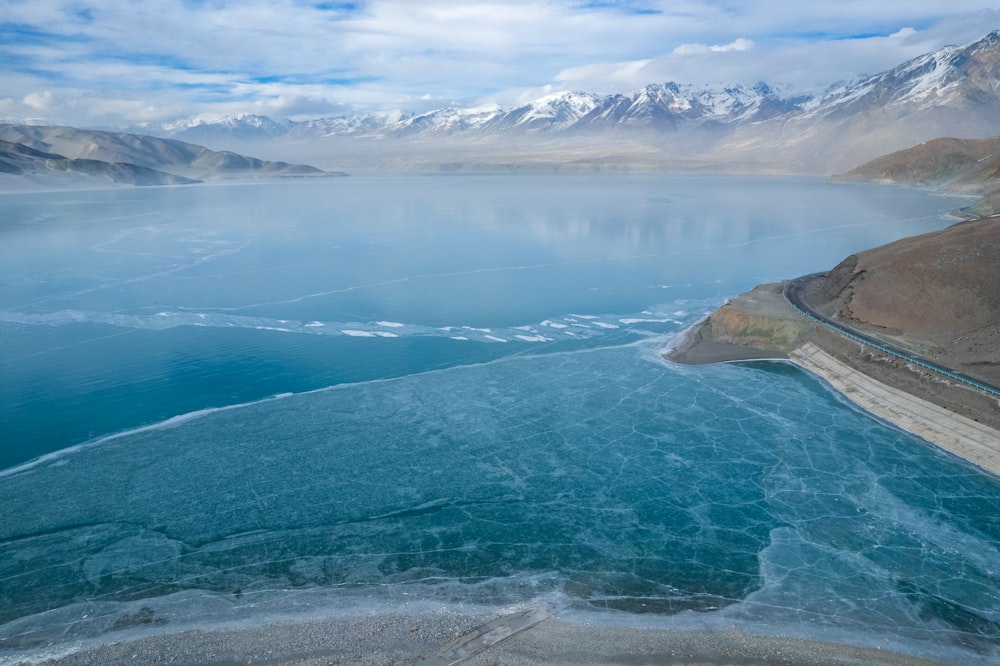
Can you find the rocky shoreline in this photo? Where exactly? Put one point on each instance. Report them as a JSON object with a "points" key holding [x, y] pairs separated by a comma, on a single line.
{"points": [[757, 325]]}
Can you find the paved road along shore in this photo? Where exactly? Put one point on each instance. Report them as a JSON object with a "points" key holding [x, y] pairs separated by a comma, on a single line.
{"points": [[792, 291]]}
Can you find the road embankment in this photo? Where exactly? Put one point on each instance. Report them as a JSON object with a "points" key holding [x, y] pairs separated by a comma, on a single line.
{"points": [[963, 436]]}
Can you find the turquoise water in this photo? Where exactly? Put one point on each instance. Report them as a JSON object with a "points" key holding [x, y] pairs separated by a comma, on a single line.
{"points": [[244, 401]]}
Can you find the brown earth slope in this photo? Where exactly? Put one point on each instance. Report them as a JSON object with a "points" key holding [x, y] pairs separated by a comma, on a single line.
{"points": [[961, 166], [970, 164], [937, 295]]}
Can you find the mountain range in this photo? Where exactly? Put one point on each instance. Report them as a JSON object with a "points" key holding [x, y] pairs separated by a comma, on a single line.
{"points": [[44, 156], [954, 91], [657, 106]]}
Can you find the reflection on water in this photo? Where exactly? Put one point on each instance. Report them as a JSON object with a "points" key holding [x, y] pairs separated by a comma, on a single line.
{"points": [[103, 293]]}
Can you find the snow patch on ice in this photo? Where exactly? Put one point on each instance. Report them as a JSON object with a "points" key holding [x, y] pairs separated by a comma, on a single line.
{"points": [[357, 334]]}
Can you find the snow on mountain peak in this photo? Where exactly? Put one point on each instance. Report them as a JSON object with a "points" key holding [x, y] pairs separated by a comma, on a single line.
{"points": [[938, 78], [562, 108], [946, 76]]}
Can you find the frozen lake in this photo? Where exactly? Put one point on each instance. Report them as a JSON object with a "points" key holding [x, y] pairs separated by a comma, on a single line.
{"points": [[240, 401]]}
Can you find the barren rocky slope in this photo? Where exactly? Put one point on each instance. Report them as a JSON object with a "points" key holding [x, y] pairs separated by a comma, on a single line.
{"points": [[937, 294], [963, 166]]}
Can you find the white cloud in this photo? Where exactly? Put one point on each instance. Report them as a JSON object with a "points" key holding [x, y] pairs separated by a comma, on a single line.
{"points": [[292, 57], [40, 101], [740, 44]]}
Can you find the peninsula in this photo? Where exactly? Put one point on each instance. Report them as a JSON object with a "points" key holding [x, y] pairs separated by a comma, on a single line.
{"points": [[909, 331]]}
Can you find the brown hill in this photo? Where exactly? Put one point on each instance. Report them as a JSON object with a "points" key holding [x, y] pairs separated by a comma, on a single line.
{"points": [[970, 164], [963, 166], [937, 294]]}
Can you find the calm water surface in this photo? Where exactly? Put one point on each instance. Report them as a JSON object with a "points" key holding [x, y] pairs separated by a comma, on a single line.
{"points": [[252, 400]]}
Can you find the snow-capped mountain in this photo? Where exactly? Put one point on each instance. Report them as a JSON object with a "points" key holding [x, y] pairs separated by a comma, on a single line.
{"points": [[658, 106], [241, 125], [557, 111], [952, 75], [441, 122], [672, 107], [954, 92], [951, 92]]}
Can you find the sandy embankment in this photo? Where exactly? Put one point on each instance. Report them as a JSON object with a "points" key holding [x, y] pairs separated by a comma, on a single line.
{"points": [[953, 432], [439, 638], [761, 325]]}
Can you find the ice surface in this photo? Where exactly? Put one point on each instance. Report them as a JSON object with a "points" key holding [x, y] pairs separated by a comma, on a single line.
{"points": [[295, 402], [618, 482]]}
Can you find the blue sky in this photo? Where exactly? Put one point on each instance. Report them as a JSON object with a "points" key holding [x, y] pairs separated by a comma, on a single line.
{"points": [[121, 62]]}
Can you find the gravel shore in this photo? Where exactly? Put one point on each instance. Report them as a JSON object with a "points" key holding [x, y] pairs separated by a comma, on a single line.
{"points": [[430, 639]]}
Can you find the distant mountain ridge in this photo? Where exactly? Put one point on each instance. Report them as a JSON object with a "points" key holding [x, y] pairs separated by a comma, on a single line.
{"points": [[42, 153], [954, 91], [18, 159], [963, 166], [971, 165], [656, 106]]}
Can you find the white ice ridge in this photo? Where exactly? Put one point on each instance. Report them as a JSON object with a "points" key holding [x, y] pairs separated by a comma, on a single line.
{"points": [[571, 326], [533, 338], [354, 333], [171, 422]]}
